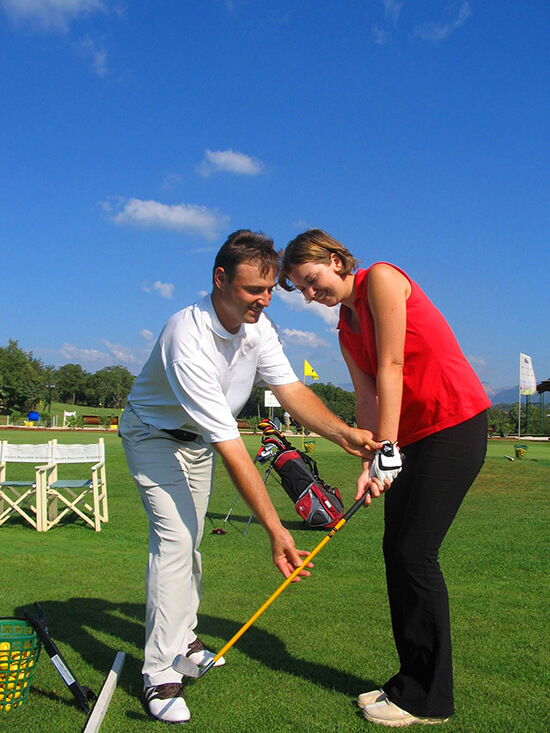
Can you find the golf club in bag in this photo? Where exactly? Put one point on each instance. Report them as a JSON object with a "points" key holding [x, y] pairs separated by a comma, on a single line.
{"points": [[184, 666], [319, 504]]}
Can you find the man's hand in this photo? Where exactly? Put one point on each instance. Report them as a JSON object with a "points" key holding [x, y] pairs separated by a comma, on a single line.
{"points": [[361, 443], [286, 557]]}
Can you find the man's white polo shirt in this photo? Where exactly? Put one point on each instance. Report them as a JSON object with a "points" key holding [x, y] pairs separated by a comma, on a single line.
{"points": [[199, 376]]}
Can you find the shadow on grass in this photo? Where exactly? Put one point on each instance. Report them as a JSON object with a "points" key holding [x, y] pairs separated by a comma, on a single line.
{"points": [[271, 651], [79, 623]]}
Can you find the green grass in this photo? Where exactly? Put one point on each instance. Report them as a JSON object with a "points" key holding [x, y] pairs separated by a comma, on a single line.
{"points": [[324, 640], [57, 408]]}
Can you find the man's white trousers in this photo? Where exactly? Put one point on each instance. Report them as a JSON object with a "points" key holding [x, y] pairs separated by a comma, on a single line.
{"points": [[175, 480]]}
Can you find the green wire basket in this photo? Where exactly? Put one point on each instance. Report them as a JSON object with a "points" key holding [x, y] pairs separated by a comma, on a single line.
{"points": [[19, 651]]}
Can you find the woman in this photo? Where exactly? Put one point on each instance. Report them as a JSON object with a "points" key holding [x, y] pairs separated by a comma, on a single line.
{"points": [[414, 387]]}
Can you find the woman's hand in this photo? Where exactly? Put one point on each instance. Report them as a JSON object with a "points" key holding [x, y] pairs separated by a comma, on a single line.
{"points": [[370, 488]]}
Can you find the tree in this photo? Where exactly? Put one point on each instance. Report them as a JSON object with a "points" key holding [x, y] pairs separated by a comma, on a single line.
{"points": [[109, 387], [70, 382], [254, 403], [338, 400], [22, 379]]}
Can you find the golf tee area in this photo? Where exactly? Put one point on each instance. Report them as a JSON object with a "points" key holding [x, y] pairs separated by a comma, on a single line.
{"points": [[326, 639]]}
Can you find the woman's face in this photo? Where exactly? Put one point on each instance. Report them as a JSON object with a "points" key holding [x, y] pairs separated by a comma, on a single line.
{"points": [[320, 282]]}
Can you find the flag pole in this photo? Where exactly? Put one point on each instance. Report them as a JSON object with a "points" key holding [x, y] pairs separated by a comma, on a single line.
{"points": [[519, 400]]}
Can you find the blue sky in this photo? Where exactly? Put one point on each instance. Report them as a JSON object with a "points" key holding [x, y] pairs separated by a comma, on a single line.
{"points": [[137, 136]]}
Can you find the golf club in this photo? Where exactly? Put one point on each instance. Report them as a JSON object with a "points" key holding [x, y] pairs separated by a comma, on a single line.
{"points": [[183, 665]]}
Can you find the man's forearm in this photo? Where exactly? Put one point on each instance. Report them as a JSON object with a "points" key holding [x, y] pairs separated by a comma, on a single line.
{"points": [[310, 411]]}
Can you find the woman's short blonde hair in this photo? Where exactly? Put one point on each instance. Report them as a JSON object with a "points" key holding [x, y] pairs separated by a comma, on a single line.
{"points": [[315, 245]]}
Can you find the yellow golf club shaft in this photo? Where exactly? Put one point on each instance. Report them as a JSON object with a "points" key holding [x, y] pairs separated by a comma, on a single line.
{"points": [[285, 583]]}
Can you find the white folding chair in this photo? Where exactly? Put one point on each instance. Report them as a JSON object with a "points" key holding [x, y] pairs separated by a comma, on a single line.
{"points": [[22, 496], [86, 497], [68, 414]]}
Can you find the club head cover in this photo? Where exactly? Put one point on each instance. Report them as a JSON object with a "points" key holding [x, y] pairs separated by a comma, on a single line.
{"points": [[387, 462], [266, 423], [272, 441]]}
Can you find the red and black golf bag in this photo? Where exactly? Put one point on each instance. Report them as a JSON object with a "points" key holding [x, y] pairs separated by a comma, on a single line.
{"points": [[319, 504]]}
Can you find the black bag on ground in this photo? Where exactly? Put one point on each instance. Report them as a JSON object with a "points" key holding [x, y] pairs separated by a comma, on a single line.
{"points": [[316, 502]]}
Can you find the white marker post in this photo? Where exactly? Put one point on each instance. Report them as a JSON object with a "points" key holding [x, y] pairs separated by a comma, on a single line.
{"points": [[102, 703]]}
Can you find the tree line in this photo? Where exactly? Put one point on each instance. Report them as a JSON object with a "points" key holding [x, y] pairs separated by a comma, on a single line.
{"points": [[25, 381], [338, 400]]}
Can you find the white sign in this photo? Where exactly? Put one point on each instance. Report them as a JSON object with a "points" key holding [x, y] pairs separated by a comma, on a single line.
{"points": [[270, 400]]}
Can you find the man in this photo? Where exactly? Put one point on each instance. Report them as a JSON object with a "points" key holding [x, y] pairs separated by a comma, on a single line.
{"points": [[180, 414]]}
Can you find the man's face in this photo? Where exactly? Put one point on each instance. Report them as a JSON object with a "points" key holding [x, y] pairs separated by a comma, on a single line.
{"points": [[243, 299]]}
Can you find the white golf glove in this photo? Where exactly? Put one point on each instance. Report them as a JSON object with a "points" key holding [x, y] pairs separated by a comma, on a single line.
{"points": [[387, 462]]}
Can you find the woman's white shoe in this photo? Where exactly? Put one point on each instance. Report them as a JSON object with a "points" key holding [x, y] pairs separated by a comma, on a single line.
{"points": [[369, 698]]}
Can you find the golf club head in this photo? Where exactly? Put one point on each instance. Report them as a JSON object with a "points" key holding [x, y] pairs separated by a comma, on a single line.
{"points": [[265, 453], [266, 423], [183, 665], [271, 441]]}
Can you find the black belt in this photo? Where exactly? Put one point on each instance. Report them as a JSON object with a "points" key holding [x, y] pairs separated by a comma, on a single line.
{"points": [[183, 435]]}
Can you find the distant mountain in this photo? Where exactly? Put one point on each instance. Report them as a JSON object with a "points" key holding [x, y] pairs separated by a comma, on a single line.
{"points": [[489, 391], [509, 395], [502, 396]]}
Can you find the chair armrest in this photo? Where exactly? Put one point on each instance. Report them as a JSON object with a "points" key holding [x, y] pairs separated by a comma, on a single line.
{"points": [[45, 467], [43, 472]]}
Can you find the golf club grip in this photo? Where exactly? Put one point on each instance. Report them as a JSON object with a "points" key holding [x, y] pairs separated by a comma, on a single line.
{"points": [[358, 504], [351, 511]]}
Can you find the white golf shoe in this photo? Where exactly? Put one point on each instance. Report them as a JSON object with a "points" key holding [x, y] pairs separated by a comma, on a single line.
{"points": [[369, 698], [166, 703], [200, 655], [391, 715]]}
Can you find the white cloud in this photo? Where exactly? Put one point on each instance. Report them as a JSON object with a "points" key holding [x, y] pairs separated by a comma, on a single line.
{"points": [[440, 31], [92, 359], [54, 15], [80, 356], [381, 37], [96, 53], [302, 338], [165, 290], [392, 8], [295, 301], [122, 354], [188, 218], [146, 334], [477, 360], [170, 181], [228, 161]]}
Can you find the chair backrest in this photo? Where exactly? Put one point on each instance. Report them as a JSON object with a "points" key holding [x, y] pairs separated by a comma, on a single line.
{"points": [[25, 453], [78, 453], [66, 414]]}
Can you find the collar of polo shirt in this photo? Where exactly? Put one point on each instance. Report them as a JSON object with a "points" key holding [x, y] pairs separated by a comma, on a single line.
{"points": [[215, 323]]}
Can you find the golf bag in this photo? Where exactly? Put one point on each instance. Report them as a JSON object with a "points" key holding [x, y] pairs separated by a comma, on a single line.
{"points": [[319, 504]]}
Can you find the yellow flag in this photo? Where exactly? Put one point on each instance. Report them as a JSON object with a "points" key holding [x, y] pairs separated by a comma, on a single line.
{"points": [[309, 371]]}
